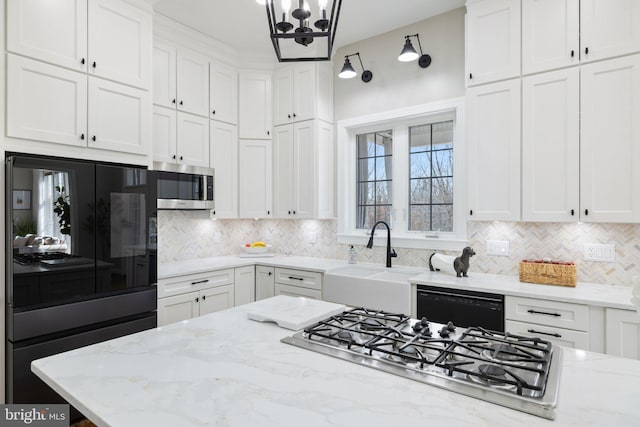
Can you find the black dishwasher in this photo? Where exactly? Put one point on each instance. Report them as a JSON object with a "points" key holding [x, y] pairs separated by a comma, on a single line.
{"points": [[462, 307]]}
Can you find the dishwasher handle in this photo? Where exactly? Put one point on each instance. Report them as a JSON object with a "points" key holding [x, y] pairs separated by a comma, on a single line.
{"points": [[461, 295]]}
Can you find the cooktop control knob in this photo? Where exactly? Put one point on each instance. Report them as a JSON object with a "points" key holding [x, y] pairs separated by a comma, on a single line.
{"points": [[450, 326], [444, 332]]}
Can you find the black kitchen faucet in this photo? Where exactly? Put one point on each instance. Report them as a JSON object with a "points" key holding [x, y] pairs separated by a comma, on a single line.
{"points": [[391, 253]]}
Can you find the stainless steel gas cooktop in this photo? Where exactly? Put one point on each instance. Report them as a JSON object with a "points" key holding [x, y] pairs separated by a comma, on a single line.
{"points": [[514, 371]]}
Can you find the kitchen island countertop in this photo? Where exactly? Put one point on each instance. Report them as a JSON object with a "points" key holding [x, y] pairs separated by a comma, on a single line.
{"points": [[223, 369]]}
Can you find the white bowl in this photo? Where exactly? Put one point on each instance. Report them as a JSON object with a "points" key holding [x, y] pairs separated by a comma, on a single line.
{"points": [[256, 249]]}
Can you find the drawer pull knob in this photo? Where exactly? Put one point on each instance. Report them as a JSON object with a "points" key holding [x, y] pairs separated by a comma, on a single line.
{"points": [[544, 312], [533, 331], [200, 281], [296, 278]]}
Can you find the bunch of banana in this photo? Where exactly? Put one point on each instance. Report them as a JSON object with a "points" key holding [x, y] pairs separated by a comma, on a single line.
{"points": [[258, 245]]}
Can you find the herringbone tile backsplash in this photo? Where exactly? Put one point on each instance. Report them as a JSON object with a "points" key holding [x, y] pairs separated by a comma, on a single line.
{"points": [[191, 234]]}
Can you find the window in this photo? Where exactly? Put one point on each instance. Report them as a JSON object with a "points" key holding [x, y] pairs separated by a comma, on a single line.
{"points": [[374, 178], [406, 168], [431, 177]]}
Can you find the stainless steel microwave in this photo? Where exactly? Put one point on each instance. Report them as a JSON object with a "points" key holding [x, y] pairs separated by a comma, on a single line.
{"points": [[184, 187]]}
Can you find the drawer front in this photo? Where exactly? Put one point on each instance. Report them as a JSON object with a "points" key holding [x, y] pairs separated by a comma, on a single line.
{"points": [[296, 291], [194, 282], [301, 278], [556, 336], [550, 313]]}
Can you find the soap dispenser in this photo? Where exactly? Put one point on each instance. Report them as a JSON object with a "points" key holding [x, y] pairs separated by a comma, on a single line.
{"points": [[352, 255]]}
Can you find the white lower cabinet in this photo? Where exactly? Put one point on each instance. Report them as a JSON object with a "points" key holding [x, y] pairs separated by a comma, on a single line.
{"points": [[561, 323], [192, 295], [622, 333], [298, 283], [265, 282], [245, 289]]}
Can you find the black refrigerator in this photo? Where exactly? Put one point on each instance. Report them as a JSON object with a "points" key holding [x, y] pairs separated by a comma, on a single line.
{"points": [[81, 261]]}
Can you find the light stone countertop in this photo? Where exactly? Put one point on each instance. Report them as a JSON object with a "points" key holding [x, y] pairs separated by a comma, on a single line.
{"points": [[584, 293], [225, 370]]}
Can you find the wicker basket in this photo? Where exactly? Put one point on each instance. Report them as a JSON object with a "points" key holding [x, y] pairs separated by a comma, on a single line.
{"points": [[548, 273]]}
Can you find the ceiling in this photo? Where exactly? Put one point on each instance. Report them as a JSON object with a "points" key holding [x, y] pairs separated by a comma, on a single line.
{"points": [[242, 24]]}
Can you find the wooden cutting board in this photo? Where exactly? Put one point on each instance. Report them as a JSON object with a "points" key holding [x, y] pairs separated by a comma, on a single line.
{"points": [[293, 312]]}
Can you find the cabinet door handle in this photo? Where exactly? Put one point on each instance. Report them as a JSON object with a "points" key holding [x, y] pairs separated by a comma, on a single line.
{"points": [[214, 211], [82, 137], [533, 331], [296, 278], [270, 273], [268, 133], [93, 138], [94, 64], [471, 212], [180, 102], [544, 312], [470, 76], [294, 212], [572, 212], [197, 299], [586, 51], [213, 112], [294, 114], [82, 61], [289, 212], [173, 101], [268, 212], [204, 297], [572, 53], [586, 211], [200, 281], [181, 158], [173, 157], [288, 116]]}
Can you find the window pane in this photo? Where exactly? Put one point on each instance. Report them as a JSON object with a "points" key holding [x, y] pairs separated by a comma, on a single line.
{"points": [[420, 191], [420, 165], [366, 145], [442, 134], [383, 214], [443, 163], [420, 138], [366, 216], [366, 168], [383, 168], [383, 143], [442, 190], [419, 217], [366, 193], [383, 193], [442, 217]]}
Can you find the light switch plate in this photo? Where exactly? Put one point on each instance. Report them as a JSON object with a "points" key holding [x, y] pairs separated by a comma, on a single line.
{"points": [[599, 252], [497, 247]]}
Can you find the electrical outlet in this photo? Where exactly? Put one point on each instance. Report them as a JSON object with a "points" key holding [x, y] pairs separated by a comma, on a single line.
{"points": [[312, 237], [216, 237], [599, 252], [497, 247]]}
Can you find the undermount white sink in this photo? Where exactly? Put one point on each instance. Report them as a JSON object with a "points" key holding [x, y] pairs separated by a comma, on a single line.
{"points": [[370, 286]]}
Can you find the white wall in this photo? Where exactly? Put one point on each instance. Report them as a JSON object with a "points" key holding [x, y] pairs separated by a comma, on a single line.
{"points": [[398, 84]]}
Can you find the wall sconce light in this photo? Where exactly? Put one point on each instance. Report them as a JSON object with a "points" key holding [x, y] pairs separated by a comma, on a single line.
{"points": [[348, 71], [409, 52]]}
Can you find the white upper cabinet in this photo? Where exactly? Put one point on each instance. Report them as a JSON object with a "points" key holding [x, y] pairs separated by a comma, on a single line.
{"points": [[609, 28], [193, 82], [119, 117], [255, 178], [610, 135], [108, 38], [56, 33], [303, 170], [223, 99], [180, 79], [164, 74], [180, 138], [254, 105], [550, 34], [302, 92], [224, 159], [119, 42], [46, 103], [493, 41], [493, 137], [551, 146]]}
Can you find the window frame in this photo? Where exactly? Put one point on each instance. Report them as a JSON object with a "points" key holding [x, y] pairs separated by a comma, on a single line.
{"points": [[399, 121]]}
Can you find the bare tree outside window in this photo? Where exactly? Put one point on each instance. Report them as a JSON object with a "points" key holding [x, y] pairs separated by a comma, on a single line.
{"points": [[374, 193], [431, 177]]}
